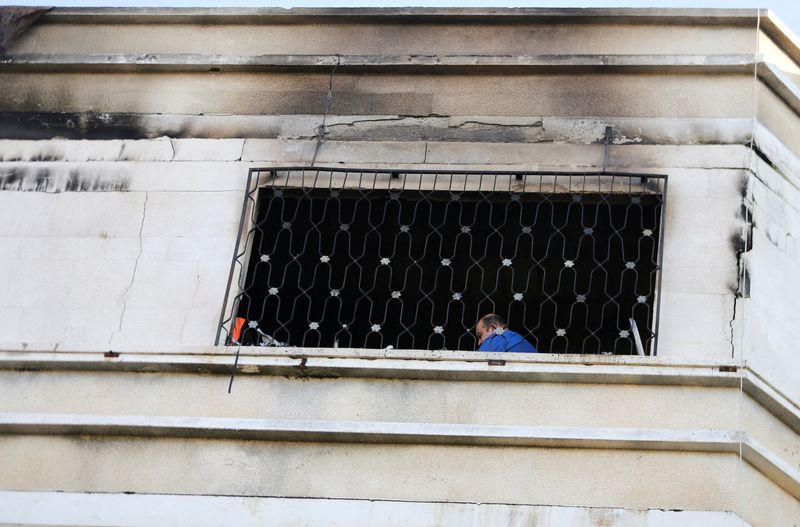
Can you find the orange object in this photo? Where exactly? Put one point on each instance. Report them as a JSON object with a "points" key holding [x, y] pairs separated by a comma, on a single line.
{"points": [[238, 324]]}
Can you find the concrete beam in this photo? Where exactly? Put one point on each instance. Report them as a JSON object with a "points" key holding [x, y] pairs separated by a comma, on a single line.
{"points": [[717, 441], [123, 510], [467, 365], [370, 432], [735, 63], [769, 74], [427, 365], [402, 14], [359, 127]]}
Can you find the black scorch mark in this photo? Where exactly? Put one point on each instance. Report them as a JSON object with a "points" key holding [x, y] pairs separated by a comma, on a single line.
{"points": [[52, 181]]}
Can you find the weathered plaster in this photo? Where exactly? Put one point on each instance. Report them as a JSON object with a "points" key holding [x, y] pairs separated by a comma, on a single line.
{"points": [[123, 510]]}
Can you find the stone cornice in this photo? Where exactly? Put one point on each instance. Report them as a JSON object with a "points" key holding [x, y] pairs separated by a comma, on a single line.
{"points": [[427, 365], [717, 441], [586, 63], [274, 15]]}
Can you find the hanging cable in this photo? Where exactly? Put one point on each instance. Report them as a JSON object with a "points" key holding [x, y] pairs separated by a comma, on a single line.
{"points": [[742, 263]]}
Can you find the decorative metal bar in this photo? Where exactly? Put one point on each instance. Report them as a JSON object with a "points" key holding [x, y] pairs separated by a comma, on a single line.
{"points": [[412, 259]]}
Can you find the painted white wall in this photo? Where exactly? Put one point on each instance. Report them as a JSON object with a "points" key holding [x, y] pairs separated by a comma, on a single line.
{"points": [[145, 268], [120, 510]]}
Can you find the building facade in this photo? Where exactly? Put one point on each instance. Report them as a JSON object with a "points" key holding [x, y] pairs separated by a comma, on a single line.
{"points": [[325, 201]]}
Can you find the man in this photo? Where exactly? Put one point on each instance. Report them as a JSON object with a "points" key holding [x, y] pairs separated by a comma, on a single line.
{"points": [[493, 336]]}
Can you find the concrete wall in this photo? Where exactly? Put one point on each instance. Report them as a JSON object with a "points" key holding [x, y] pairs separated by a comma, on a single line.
{"points": [[33, 508], [98, 269], [139, 259], [126, 145], [345, 430], [380, 38], [770, 285]]}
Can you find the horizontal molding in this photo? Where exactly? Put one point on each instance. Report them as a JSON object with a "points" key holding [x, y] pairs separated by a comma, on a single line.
{"points": [[369, 432], [407, 364], [358, 432], [741, 63], [634, 131], [712, 17], [109, 508], [426, 365], [772, 76], [783, 86], [765, 461]]}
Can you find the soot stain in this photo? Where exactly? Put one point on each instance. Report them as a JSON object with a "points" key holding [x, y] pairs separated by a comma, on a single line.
{"points": [[49, 125], [44, 180]]}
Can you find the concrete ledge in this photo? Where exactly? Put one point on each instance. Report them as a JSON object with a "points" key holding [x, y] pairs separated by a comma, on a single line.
{"points": [[426, 365], [783, 474], [377, 363], [118, 509], [781, 84], [401, 14], [19, 126], [769, 74], [371, 432], [114, 62], [718, 441], [25, 159]]}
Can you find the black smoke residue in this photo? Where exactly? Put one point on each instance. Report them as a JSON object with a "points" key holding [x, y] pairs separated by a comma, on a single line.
{"points": [[49, 125], [55, 181]]}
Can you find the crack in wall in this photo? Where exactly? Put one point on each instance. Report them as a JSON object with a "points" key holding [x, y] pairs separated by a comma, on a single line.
{"points": [[535, 124], [382, 120], [133, 274], [735, 302]]}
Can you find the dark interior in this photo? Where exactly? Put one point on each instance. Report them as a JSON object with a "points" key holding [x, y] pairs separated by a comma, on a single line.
{"points": [[584, 264]]}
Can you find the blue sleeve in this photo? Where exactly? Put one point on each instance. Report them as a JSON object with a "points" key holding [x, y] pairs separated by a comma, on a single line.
{"points": [[493, 343], [523, 346], [511, 342]]}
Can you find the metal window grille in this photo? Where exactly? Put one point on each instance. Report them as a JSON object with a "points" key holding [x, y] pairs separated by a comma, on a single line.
{"points": [[413, 258]]}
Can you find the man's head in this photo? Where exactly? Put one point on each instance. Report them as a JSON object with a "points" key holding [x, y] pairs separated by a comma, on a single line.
{"points": [[487, 325]]}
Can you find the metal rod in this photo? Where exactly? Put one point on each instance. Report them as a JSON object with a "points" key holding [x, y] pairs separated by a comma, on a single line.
{"points": [[235, 255], [235, 366], [469, 172], [660, 267], [566, 190]]}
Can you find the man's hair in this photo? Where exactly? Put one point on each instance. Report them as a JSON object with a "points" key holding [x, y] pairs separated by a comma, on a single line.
{"points": [[493, 320]]}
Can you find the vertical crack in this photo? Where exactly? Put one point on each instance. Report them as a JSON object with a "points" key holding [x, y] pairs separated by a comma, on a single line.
{"points": [[425, 158], [733, 318], [133, 274], [322, 130]]}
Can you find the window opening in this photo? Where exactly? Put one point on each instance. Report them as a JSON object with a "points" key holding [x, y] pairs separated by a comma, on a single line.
{"points": [[412, 259]]}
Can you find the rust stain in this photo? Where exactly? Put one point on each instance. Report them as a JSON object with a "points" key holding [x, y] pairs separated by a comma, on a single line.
{"points": [[15, 20], [302, 366]]}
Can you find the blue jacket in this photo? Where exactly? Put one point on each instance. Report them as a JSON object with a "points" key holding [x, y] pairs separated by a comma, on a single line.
{"points": [[507, 341]]}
